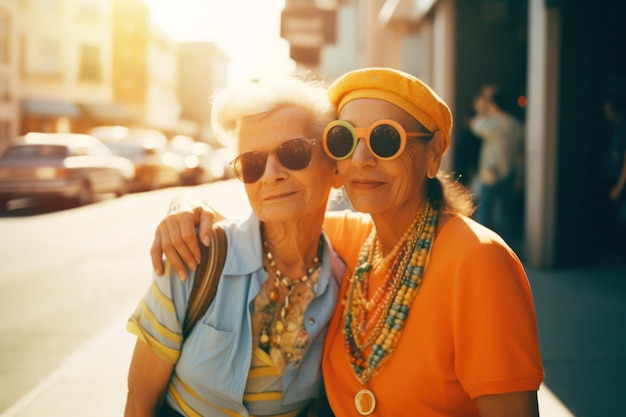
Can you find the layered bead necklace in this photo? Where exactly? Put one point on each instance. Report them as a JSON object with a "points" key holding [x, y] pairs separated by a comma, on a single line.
{"points": [[274, 327], [377, 322]]}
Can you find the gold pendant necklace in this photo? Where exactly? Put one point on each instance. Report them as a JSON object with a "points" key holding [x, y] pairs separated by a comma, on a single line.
{"points": [[274, 328], [365, 402], [410, 268]]}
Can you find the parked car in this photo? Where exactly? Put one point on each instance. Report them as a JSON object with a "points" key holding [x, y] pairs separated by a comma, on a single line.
{"points": [[67, 165], [155, 166], [202, 163], [225, 155]]}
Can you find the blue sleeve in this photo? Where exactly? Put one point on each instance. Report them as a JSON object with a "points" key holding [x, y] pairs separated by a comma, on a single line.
{"points": [[158, 318]]}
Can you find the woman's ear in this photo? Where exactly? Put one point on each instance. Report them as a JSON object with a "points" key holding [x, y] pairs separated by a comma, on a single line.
{"points": [[436, 148]]}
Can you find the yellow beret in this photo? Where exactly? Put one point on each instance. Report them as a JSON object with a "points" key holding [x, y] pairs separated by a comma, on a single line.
{"points": [[399, 88]]}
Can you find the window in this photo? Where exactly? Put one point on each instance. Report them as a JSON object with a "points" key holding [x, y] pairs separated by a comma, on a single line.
{"points": [[89, 9], [90, 66], [49, 57], [48, 5], [38, 151]]}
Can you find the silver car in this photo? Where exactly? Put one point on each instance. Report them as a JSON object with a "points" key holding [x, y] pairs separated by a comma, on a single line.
{"points": [[67, 165]]}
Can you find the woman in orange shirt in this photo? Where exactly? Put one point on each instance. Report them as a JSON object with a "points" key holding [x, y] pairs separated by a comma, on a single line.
{"points": [[437, 316]]}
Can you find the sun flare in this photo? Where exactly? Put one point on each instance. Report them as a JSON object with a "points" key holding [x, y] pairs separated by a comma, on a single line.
{"points": [[247, 30]]}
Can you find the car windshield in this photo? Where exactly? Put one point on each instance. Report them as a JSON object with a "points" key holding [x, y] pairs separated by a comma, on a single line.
{"points": [[37, 151]]}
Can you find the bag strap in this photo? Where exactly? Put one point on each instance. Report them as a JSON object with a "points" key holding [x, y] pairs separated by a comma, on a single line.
{"points": [[206, 279]]}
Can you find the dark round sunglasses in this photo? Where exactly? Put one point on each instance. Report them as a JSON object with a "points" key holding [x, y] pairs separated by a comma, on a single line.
{"points": [[294, 154], [385, 138]]}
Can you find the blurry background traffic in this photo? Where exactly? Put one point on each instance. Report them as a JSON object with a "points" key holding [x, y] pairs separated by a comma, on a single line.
{"points": [[137, 75]]}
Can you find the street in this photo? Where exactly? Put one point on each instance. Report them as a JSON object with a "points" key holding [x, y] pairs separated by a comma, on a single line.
{"points": [[68, 274]]}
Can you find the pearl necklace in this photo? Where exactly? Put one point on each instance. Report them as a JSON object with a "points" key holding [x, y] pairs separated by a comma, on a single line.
{"points": [[268, 312], [404, 278]]}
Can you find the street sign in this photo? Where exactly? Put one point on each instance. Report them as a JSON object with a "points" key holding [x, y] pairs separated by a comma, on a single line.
{"points": [[308, 27]]}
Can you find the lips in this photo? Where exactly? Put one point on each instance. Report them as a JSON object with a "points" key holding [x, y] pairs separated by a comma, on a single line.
{"points": [[365, 184], [274, 197]]}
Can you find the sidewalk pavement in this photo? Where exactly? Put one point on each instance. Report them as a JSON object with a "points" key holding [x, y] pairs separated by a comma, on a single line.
{"points": [[90, 383], [582, 326], [581, 314]]}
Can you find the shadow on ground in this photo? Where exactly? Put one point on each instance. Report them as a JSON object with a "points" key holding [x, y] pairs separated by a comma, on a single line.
{"points": [[581, 315]]}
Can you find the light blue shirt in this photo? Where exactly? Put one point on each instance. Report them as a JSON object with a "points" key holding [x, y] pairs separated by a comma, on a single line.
{"points": [[215, 359]]}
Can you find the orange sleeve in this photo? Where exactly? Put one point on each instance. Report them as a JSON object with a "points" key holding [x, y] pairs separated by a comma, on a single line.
{"points": [[496, 334]]}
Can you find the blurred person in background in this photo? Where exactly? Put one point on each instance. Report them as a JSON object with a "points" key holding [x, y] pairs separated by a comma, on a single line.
{"points": [[258, 348], [499, 180], [437, 316], [467, 149]]}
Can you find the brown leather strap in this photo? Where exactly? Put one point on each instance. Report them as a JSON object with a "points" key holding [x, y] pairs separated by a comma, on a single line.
{"points": [[206, 279]]}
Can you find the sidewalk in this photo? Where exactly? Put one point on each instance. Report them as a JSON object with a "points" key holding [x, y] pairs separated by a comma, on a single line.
{"points": [[574, 308], [581, 315], [91, 382]]}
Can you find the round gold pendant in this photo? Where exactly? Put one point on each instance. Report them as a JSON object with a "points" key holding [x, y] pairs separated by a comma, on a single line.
{"points": [[365, 402]]}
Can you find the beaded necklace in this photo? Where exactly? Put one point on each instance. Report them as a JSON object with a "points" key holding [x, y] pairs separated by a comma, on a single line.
{"points": [[400, 286], [272, 336], [365, 324]]}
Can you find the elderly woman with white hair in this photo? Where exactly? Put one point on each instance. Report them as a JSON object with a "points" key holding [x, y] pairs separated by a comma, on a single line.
{"points": [[258, 348]]}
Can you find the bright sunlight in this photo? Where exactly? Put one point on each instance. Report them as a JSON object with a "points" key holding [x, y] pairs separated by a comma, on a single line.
{"points": [[247, 30]]}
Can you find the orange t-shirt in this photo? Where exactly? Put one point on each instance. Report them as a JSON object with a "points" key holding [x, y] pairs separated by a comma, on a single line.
{"points": [[471, 329]]}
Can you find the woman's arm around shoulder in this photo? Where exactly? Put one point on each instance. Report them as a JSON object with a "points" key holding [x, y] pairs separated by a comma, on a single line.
{"points": [[176, 236]]}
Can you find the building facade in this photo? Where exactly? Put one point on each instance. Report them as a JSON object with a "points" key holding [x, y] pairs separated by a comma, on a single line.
{"points": [[70, 65], [9, 92], [560, 57], [63, 49]]}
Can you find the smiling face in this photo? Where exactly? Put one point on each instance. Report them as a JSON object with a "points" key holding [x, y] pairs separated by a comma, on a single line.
{"points": [[393, 187], [282, 194]]}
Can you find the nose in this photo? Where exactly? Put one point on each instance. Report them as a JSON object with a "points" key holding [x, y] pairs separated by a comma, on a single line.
{"points": [[274, 170], [362, 155]]}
